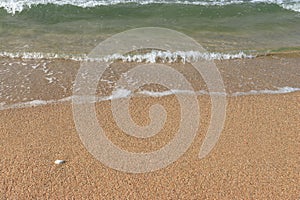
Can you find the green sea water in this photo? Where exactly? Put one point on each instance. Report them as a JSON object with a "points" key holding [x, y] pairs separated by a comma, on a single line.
{"points": [[69, 29]]}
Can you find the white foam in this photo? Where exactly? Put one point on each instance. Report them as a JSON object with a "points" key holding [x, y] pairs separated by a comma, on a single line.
{"points": [[37, 102], [32, 103], [118, 94], [170, 57], [151, 57], [49, 79], [283, 90], [294, 7], [123, 93], [164, 93], [170, 92], [40, 55], [13, 6]]}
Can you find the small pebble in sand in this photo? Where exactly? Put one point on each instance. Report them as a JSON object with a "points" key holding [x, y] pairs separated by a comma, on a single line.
{"points": [[59, 162]]}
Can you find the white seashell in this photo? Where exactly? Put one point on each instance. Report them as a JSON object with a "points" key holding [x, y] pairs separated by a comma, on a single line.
{"points": [[59, 162]]}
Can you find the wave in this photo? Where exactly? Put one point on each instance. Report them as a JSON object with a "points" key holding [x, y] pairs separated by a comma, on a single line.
{"points": [[123, 93], [171, 57], [151, 57], [282, 90], [14, 6]]}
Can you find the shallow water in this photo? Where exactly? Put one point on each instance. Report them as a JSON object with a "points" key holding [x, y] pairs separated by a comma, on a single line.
{"points": [[31, 82], [76, 27]]}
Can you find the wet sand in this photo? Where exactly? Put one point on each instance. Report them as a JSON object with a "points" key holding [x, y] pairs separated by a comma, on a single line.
{"points": [[256, 157], [25, 80]]}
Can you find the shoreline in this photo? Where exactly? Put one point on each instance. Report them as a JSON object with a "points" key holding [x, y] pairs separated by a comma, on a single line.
{"points": [[67, 100], [43, 81], [284, 52]]}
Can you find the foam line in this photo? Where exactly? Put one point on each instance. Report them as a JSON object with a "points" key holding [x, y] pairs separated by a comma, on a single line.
{"points": [[13, 6], [123, 93], [151, 57]]}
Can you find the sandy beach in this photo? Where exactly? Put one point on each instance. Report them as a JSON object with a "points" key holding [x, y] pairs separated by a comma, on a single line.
{"points": [[150, 99], [256, 157]]}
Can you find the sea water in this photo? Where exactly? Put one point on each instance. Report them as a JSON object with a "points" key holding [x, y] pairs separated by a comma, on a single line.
{"points": [[41, 41]]}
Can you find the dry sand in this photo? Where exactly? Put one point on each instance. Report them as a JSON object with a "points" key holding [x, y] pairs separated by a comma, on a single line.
{"points": [[256, 157]]}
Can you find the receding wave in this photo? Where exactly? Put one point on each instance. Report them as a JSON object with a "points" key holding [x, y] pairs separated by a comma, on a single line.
{"points": [[19, 5], [151, 57], [123, 93]]}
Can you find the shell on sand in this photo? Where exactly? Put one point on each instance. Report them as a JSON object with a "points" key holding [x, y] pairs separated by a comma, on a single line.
{"points": [[59, 162]]}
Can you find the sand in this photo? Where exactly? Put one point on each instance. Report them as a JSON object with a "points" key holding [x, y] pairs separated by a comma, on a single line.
{"points": [[256, 157]]}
